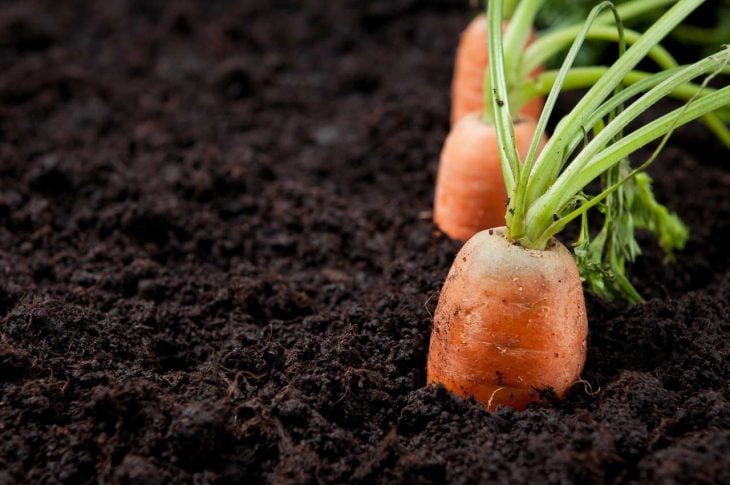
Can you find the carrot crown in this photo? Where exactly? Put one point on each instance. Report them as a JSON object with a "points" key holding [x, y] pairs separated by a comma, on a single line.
{"points": [[593, 141]]}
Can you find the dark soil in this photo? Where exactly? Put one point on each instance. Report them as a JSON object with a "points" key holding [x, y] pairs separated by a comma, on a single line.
{"points": [[218, 266]]}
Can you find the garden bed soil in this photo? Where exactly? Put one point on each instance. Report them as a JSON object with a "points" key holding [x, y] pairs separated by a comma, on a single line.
{"points": [[217, 263]]}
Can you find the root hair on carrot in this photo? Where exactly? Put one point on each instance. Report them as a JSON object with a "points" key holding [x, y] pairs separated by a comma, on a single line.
{"points": [[428, 300], [588, 388], [494, 393]]}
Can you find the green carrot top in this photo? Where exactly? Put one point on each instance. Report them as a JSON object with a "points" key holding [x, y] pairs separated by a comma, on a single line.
{"points": [[546, 190]]}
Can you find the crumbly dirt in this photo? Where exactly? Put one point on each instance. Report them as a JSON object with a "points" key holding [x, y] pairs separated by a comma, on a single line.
{"points": [[218, 266]]}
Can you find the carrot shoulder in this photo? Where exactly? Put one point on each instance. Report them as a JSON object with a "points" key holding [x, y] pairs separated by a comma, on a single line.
{"points": [[509, 321], [470, 191], [467, 86]]}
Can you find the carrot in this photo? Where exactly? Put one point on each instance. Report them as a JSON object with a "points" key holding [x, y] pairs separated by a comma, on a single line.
{"points": [[470, 191], [467, 86], [511, 317], [509, 321]]}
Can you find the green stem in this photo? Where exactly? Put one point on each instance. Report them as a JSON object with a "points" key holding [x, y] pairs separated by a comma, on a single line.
{"points": [[519, 206], [549, 45], [499, 101], [584, 77], [553, 42], [518, 31], [616, 153], [578, 175], [577, 169], [630, 10], [509, 7], [551, 158]]}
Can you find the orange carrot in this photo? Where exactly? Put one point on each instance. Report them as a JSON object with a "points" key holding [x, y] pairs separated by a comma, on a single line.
{"points": [[511, 318], [467, 87], [510, 321], [470, 191]]}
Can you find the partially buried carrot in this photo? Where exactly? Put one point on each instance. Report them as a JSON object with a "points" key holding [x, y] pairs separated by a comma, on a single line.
{"points": [[511, 318], [467, 85], [509, 321], [470, 191]]}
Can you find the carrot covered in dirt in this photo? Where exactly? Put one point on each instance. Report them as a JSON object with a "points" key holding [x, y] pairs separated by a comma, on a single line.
{"points": [[511, 318]]}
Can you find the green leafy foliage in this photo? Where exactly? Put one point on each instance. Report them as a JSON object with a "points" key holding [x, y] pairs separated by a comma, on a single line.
{"points": [[548, 189], [602, 260], [562, 13], [666, 227]]}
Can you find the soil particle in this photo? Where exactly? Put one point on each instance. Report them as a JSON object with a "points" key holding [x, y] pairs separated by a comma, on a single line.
{"points": [[198, 434], [136, 469]]}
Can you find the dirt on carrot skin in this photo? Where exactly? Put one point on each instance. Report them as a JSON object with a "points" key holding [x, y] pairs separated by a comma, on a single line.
{"points": [[216, 266]]}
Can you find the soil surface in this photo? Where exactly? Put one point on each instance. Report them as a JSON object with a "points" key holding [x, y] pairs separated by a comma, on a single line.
{"points": [[217, 263]]}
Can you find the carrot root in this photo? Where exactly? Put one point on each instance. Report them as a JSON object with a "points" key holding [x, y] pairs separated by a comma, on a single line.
{"points": [[470, 192], [509, 322], [467, 86]]}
